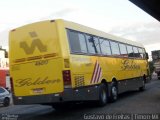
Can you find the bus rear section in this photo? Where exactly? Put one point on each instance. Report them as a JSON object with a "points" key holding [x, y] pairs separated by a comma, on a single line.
{"points": [[36, 64]]}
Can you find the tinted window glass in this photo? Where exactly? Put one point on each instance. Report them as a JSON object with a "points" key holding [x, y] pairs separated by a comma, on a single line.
{"points": [[123, 50], [115, 48], [136, 53], [74, 41], [77, 42], [130, 51], [93, 44], [97, 46], [105, 47], [142, 52], [82, 41]]}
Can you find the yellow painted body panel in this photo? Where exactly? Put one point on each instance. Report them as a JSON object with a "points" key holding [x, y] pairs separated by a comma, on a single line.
{"points": [[29, 77], [35, 59], [45, 32], [119, 68]]}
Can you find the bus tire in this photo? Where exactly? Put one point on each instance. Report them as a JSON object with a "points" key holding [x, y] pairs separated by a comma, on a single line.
{"points": [[102, 101], [114, 92], [142, 88]]}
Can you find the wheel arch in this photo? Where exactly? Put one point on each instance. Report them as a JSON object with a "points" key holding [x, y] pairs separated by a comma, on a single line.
{"points": [[104, 81], [115, 81]]}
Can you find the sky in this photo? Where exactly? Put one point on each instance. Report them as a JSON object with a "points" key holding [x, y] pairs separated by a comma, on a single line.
{"points": [[118, 17]]}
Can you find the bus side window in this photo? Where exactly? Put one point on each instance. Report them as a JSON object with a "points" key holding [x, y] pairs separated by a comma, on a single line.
{"points": [[105, 47], [130, 51], [73, 41], [77, 42], [97, 45], [93, 44], [142, 53], [115, 48], [82, 42], [123, 50], [136, 53]]}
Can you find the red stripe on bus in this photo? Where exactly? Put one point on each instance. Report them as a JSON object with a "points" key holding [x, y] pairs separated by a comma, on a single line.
{"points": [[96, 73], [93, 75], [99, 75]]}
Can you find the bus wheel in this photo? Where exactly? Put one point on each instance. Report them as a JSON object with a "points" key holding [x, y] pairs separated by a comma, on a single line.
{"points": [[114, 93], [143, 85], [102, 101]]}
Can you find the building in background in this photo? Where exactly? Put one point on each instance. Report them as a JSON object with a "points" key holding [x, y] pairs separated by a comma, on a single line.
{"points": [[156, 62], [4, 69]]}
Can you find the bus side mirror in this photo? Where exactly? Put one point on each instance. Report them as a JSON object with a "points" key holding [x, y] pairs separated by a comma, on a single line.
{"points": [[147, 56]]}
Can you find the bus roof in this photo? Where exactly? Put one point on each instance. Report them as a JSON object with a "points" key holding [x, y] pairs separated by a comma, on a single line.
{"points": [[82, 28], [85, 29]]}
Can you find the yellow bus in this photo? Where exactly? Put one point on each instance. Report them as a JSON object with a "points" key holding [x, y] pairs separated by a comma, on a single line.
{"points": [[58, 61]]}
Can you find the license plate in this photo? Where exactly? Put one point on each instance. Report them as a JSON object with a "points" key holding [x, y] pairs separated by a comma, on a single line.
{"points": [[38, 90]]}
